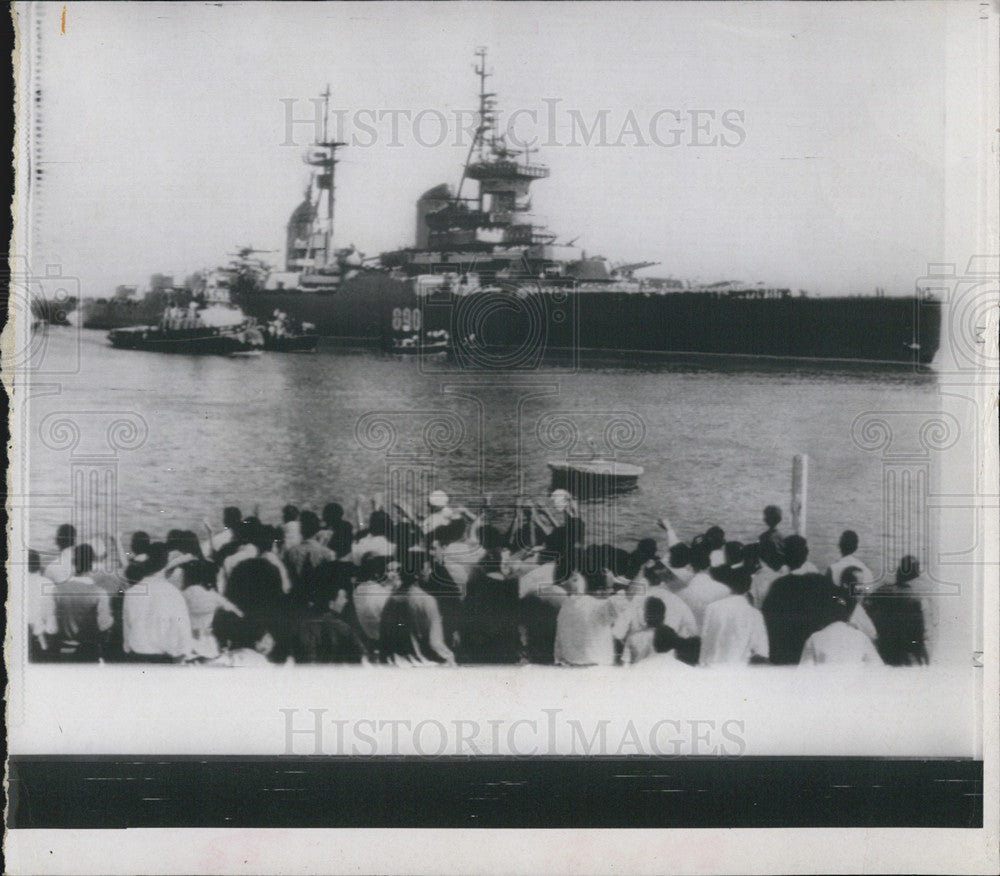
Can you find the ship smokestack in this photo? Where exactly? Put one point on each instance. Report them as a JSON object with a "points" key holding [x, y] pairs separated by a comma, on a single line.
{"points": [[431, 200]]}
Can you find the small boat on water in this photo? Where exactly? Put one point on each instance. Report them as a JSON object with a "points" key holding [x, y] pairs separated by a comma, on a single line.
{"points": [[593, 477], [284, 336], [216, 330]]}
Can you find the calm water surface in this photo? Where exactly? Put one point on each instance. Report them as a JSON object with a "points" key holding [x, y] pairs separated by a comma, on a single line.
{"points": [[716, 445]]}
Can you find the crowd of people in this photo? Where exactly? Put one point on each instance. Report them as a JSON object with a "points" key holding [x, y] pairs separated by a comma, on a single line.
{"points": [[444, 587]]}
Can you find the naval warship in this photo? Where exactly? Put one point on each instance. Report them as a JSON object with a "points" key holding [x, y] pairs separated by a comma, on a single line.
{"points": [[499, 290]]}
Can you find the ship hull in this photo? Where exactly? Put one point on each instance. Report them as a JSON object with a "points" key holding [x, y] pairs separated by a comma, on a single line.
{"points": [[190, 342], [507, 328], [357, 315]]}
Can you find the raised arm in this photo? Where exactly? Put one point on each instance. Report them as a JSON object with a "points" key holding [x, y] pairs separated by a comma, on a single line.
{"points": [[672, 537]]}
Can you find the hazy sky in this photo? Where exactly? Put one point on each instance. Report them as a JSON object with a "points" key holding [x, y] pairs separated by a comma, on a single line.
{"points": [[164, 141]]}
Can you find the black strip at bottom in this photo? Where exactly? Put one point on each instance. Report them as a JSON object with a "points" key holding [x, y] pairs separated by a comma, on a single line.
{"points": [[278, 792]]}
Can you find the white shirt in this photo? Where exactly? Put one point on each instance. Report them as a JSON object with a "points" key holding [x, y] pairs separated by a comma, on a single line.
{"points": [[733, 632], [681, 573], [292, 533], [62, 569], [155, 619], [378, 545], [865, 577], [41, 606], [760, 584], [839, 643], [370, 598], [700, 592], [584, 631]]}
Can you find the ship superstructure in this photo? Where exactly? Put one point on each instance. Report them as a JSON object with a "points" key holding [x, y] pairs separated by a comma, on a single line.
{"points": [[485, 225]]}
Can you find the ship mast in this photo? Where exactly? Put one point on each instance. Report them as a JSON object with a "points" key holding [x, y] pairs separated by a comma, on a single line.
{"points": [[327, 179], [485, 122]]}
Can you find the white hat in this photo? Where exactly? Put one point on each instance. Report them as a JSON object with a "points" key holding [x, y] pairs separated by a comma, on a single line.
{"points": [[438, 499], [561, 498], [178, 558]]}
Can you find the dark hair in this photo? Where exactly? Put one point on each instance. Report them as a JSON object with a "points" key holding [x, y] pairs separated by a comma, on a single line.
{"points": [[679, 555], [796, 551], [139, 543], [645, 549], [407, 577], [34, 561], [700, 553], [332, 513], [772, 515], [262, 537], [65, 536], [665, 639], [654, 611], [909, 569], [289, 513], [157, 559], [849, 576], [848, 542], [184, 541], [714, 538], [378, 523], [738, 580], [596, 582], [83, 558], [231, 517], [199, 572], [309, 524], [490, 538], [372, 568]]}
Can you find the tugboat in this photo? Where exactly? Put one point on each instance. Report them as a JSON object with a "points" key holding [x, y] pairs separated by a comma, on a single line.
{"points": [[214, 330]]}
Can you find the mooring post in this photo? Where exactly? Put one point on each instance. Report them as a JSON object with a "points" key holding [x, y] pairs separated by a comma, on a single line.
{"points": [[800, 484]]}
